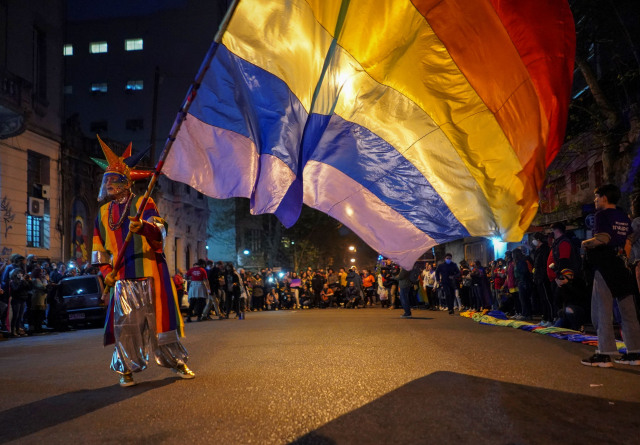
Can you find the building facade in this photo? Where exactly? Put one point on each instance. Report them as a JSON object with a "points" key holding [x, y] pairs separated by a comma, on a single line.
{"points": [[31, 78]]}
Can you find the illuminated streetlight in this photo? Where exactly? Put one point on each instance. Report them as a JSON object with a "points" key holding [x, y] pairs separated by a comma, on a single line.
{"points": [[353, 260], [352, 249], [246, 252]]}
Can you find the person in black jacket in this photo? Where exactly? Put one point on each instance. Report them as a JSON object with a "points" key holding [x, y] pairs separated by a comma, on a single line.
{"points": [[447, 275], [20, 286], [543, 297], [573, 296]]}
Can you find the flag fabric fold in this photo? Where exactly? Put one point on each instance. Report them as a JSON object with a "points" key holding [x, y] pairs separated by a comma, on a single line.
{"points": [[413, 122]]}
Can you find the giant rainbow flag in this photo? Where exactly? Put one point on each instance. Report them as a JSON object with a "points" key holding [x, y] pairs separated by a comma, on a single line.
{"points": [[413, 122]]}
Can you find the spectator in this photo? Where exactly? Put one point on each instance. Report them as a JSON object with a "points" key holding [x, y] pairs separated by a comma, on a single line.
{"points": [[429, 285], [404, 283], [179, 283], [541, 285], [499, 275], [20, 286], [572, 296], [611, 280], [38, 300], [368, 283], [511, 304], [383, 292], [258, 293], [352, 295], [447, 274], [317, 284], [326, 296], [480, 286], [197, 290], [524, 281]]}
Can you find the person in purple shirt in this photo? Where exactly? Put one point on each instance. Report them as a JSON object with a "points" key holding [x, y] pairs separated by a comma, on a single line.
{"points": [[612, 279]]}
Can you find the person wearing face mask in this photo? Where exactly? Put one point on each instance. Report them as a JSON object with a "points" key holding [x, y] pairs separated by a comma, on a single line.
{"points": [[542, 288], [447, 274], [143, 317]]}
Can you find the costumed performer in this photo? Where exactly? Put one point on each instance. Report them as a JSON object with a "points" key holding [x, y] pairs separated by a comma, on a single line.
{"points": [[143, 316]]}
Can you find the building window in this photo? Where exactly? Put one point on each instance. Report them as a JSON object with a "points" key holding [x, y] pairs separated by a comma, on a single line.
{"points": [[40, 65], [37, 170], [34, 231], [134, 124], [187, 189], [579, 180], [98, 47], [133, 45], [98, 127], [558, 193], [68, 89], [99, 87], [67, 50], [598, 172], [134, 85], [200, 195]]}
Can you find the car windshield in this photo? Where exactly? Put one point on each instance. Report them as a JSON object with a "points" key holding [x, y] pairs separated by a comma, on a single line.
{"points": [[82, 286]]}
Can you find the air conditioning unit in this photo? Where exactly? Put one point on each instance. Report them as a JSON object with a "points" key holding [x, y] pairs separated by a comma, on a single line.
{"points": [[36, 207], [46, 190]]}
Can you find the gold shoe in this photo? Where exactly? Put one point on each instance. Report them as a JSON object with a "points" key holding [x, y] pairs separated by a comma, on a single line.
{"points": [[127, 380], [184, 372]]}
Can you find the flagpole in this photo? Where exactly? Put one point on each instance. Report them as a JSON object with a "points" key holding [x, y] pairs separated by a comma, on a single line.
{"points": [[177, 123]]}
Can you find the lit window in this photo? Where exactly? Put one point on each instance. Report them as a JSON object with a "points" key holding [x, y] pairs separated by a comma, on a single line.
{"points": [[133, 45], [98, 47], [134, 85], [34, 231], [68, 89], [67, 50], [99, 87]]}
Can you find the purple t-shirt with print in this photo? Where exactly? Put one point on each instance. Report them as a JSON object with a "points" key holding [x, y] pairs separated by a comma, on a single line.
{"points": [[616, 223]]}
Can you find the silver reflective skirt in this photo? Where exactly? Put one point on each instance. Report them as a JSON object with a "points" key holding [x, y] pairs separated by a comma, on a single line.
{"points": [[135, 330]]}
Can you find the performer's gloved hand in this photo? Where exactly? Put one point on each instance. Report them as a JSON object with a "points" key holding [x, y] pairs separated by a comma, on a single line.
{"points": [[110, 279], [135, 225]]}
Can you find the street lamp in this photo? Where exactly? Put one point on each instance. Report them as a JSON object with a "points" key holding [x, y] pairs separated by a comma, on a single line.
{"points": [[353, 260], [352, 248], [246, 252]]}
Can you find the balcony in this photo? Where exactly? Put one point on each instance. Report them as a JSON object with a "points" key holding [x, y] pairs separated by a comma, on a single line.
{"points": [[15, 103]]}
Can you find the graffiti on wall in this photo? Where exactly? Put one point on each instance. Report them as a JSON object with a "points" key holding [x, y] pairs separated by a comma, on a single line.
{"points": [[7, 215], [79, 245]]}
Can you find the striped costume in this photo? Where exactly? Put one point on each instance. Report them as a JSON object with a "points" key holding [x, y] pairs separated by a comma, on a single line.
{"points": [[143, 317]]}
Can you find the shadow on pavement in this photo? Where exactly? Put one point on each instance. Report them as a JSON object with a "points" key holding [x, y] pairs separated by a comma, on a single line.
{"points": [[27, 419], [446, 407]]}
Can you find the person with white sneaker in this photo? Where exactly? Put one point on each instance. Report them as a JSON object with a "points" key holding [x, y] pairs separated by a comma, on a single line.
{"points": [[612, 279]]}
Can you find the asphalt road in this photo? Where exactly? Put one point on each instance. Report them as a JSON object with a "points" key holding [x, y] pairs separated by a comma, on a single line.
{"points": [[332, 376]]}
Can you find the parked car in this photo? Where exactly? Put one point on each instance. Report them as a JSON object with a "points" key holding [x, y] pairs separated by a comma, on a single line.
{"points": [[82, 299]]}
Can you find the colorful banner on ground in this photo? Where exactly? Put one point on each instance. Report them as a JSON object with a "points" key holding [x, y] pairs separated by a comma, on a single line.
{"points": [[498, 318], [412, 122]]}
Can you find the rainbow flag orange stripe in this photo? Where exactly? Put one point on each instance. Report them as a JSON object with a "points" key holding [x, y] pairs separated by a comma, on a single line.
{"points": [[428, 120]]}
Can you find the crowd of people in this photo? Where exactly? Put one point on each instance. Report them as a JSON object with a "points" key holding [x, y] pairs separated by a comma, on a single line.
{"points": [[552, 284], [30, 302]]}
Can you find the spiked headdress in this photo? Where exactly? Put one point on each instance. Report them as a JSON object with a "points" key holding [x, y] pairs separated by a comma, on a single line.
{"points": [[123, 165]]}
